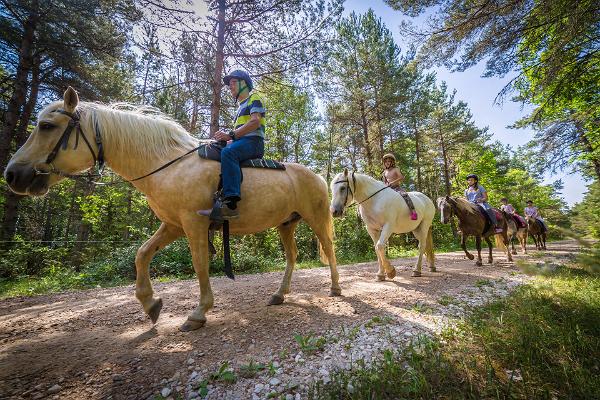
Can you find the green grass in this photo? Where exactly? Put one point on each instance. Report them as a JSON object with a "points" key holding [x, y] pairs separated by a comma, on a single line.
{"points": [[541, 342]]}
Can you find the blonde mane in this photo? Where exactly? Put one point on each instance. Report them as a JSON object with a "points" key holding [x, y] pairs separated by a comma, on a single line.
{"points": [[143, 132]]}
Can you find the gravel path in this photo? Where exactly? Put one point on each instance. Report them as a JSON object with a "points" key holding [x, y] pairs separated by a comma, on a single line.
{"points": [[98, 344]]}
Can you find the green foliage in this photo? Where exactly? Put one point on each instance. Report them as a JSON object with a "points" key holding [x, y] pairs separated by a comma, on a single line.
{"points": [[586, 215], [542, 341]]}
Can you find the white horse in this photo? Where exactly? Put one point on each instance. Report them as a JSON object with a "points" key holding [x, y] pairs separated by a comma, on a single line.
{"points": [[385, 212]]}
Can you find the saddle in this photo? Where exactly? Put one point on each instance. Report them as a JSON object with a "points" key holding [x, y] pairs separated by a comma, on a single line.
{"points": [[212, 151], [488, 221]]}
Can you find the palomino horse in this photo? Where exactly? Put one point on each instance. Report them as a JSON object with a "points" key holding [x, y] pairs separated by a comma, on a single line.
{"points": [[514, 230], [537, 233], [134, 144], [385, 212], [472, 223]]}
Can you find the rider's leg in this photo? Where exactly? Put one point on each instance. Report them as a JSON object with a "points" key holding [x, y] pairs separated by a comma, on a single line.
{"points": [[231, 156], [492, 214], [411, 206]]}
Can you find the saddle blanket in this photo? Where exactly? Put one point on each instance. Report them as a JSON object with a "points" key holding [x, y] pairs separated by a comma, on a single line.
{"points": [[212, 151], [521, 223]]}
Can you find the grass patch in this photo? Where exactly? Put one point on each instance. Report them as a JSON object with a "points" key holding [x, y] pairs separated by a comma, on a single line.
{"points": [[541, 342]]}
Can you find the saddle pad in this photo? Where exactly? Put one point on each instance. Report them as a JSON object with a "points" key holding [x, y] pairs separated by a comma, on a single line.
{"points": [[519, 221], [212, 151]]}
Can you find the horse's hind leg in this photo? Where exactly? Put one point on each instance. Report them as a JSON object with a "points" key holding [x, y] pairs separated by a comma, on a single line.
{"points": [[286, 233], [421, 235], [490, 246], [512, 243], [478, 246], [143, 287], [323, 228]]}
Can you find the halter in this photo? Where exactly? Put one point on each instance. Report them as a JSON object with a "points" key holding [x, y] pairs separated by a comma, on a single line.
{"points": [[352, 193], [63, 142]]}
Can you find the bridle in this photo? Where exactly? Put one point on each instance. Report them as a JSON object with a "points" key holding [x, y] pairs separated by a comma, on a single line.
{"points": [[451, 208], [63, 141], [349, 190]]}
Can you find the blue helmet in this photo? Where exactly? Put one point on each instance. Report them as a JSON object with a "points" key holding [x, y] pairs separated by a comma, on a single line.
{"points": [[239, 74]]}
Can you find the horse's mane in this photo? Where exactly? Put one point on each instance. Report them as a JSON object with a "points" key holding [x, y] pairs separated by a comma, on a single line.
{"points": [[144, 131], [466, 206]]}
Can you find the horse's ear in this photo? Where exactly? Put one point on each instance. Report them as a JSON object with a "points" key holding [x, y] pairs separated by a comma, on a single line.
{"points": [[447, 197], [71, 99], [346, 172]]}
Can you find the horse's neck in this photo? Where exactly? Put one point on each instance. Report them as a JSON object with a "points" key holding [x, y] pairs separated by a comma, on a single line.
{"points": [[365, 187], [132, 158], [463, 208]]}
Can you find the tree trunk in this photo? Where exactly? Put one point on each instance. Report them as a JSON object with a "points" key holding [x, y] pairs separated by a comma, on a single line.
{"points": [[18, 98], [11, 203], [418, 155], [363, 117], [215, 108]]}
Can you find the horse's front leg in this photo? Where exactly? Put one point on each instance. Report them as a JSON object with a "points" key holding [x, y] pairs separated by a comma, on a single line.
{"points": [[143, 287], [386, 232], [197, 233], [286, 233], [478, 246], [490, 246], [505, 241], [375, 234], [463, 245]]}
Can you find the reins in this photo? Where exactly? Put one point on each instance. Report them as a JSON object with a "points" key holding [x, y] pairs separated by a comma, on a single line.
{"points": [[352, 192], [63, 142]]}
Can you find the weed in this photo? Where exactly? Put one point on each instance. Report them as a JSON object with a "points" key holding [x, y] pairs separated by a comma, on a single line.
{"points": [[224, 374], [251, 369], [310, 343]]}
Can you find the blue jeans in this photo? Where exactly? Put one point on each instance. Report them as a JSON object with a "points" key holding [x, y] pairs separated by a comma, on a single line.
{"points": [[490, 212], [238, 151]]}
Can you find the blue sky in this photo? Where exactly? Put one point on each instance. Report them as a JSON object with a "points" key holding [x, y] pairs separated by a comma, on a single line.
{"points": [[479, 93]]}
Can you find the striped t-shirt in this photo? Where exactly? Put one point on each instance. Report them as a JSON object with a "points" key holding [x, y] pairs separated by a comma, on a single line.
{"points": [[252, 104]]}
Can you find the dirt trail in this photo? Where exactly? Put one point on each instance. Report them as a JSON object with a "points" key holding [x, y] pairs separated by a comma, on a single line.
{"points": [[99, 344]]}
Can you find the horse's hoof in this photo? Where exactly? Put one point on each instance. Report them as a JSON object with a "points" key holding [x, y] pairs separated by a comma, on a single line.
{"points": [[470, 256], [380, 278], [490, 261], [479, 263], [514, 252], [276, 300], [391, 273], [416, 274], [432, 269], [154, 311], [191, 325], [335, 292]]}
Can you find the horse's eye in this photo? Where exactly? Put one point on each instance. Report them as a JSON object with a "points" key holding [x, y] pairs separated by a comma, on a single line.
{"points": [[46, 126], [343, 188]]}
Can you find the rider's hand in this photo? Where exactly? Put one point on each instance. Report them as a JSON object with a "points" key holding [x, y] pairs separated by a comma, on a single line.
{"points": [[222, 136]]}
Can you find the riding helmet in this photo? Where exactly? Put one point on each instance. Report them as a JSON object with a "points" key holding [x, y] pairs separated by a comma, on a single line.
{"points": [[239, 74]]}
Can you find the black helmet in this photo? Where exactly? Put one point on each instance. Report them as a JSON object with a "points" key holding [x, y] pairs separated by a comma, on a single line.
{"points": [[239, 74], [472, 176]]}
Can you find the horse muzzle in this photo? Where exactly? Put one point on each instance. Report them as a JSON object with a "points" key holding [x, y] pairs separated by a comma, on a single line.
{"points": [[25, 179], [336, 211]]}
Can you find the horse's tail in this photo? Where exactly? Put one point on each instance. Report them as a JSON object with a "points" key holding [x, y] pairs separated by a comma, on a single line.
{"points": [[329, 226], [429, 248], [500, 242]]}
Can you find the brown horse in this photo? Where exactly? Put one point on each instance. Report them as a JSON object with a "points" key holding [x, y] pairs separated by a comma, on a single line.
{"points": [[134, 143], [537, 233], [515, 231], [472, 223]]}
